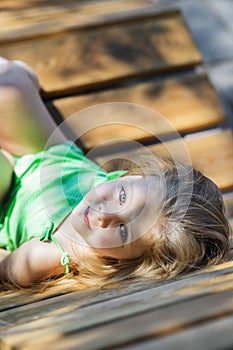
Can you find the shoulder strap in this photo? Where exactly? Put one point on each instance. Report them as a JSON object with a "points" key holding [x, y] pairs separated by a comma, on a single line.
{"points": [[48, 236]]}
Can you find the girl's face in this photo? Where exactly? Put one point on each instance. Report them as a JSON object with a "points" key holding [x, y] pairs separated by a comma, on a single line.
{"points": [[114, 217]]}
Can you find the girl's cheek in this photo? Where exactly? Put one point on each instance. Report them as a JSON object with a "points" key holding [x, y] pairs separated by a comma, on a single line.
{"points": [[102, 240]]}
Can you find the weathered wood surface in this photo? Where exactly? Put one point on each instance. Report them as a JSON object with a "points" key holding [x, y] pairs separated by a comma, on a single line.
{"points": [[171, 97], [92, 58], [19, 313], [11, 299], [47, 18], [111, 308], [141, 327], [88, 49], [182, 301], [211, 335], [210, 152]]}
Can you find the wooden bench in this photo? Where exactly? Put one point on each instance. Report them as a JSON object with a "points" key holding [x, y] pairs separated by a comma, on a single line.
{"points": [[99, 52]]}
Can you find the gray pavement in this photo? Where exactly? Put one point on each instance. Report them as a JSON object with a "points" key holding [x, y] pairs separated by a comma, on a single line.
{"points": [[211, 25]]}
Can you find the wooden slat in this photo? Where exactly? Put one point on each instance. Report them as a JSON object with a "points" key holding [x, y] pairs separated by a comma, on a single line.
{"points": [[188, 102], [52, 7], [90, 58], [95, 315], [51, 17], [66, 330], [149, 324], [213, 335], [195, 284], [11, 299], [157, 316], [210, 152], [19, 307]]}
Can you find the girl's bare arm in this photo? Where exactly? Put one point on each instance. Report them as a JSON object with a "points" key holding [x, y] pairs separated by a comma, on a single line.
{"points": [[32, 262]]}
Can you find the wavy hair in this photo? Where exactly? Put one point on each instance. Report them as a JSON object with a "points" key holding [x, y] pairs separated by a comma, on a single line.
{"points": [[192, 232]]}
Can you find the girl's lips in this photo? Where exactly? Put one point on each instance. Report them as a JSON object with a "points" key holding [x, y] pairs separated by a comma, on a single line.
{"points": [[86, 219]]}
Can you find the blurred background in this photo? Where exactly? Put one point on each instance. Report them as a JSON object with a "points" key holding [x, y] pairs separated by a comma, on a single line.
{"points": [[211, 25]]}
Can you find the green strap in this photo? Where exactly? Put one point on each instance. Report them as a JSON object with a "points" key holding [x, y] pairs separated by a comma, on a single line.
{"points": [[48, 236]]}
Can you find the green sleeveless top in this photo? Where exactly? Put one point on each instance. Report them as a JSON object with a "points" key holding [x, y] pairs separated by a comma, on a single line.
{"points": [[46, 187]]}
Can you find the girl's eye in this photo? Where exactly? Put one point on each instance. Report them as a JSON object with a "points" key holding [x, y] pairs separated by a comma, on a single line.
{"points": [[124, 233], [122, 196]]}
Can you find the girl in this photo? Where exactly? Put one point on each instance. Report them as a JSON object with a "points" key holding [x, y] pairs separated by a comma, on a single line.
{"points": [[64, 217]]}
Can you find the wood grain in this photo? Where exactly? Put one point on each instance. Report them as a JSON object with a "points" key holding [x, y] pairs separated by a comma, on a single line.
{"points": [[93, 58], [162, 294], [67, 316], [146, 324], [187, 102], [211, 152], [212, 335], [11, 299], [20, 307], [47, 18], [118, 51]]}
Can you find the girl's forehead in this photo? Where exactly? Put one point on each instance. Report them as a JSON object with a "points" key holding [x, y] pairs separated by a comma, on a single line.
{"points": [[135, 181], [129, 179], [145, 186], [125, 181]]}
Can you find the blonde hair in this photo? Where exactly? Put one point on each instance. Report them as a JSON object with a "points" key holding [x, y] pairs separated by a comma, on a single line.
{"points": [[191, 234]]}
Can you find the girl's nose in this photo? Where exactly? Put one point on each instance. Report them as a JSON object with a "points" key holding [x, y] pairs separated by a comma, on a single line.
{"points": [[107, 220]]}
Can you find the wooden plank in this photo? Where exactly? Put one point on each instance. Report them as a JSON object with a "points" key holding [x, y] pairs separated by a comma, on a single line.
{"points": [[51, 17], [185, 288], [188, 102], [18, 307], [58, 6], [11, 299], [111, 308], [213, 335], [210, 152], [147, 324], [93, 58]]}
